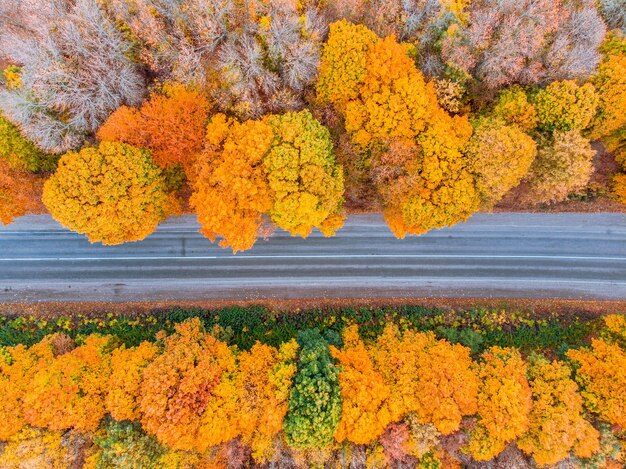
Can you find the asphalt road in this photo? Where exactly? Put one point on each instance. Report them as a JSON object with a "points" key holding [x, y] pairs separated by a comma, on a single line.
{"points": [[492, 255]]}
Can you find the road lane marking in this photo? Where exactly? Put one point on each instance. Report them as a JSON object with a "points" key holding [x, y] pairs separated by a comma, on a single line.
{"points": [[312, 256]]}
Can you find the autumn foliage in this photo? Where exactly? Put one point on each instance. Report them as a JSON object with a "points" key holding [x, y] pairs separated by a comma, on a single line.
{"points": [[189, 399], [18, 192], [171, 124], [112, 193], [282, 167]]}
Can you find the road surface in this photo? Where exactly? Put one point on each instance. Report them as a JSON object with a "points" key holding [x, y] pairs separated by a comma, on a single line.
{"points": [[565, 256]]}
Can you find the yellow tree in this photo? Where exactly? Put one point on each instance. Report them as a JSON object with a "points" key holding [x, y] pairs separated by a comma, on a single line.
{"points": [[556, 422], [265, 375], [500, 155], [610, 83], [112, 193], [563, 105], [231, 191], [504, 402], [127, 365], [18, 366], [306, 182]]}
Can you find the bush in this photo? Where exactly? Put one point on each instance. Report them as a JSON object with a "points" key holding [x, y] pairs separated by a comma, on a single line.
{"points": [[500, 155], [112, 193], [563, 165], [21, 154], [315, 397], [563, 105], [171, 124]]}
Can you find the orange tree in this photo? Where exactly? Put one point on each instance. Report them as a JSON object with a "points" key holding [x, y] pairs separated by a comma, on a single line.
{"points": [[306, 182], [500, 155], [429, 377], [282, 166], [364, 393], [189, 393], [556, 422], [504, 402], [18, 366], [386, 103], [601, 373], [171, 124], [69, 391], [112, 193], [231, 192], [18, 190]]}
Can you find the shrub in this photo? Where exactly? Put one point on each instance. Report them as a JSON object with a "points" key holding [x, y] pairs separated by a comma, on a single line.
{"points": [[17, 192], [601, 373], [69, 392], [171, 124], [76, 70], [563, 165], [189, 393], [20, 153], [500, 155], [302, 173], [563, 105], [266, 376], [513, 107], [610, 83], [127, 365], [557, 425], [429, 377], [112, 193], [364, 393], [504, 402], [231, 192], [315, 398], [125, 445]]}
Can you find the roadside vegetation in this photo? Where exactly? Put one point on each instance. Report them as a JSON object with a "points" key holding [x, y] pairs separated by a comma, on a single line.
{"points": [[258, 114], [369, 387]]}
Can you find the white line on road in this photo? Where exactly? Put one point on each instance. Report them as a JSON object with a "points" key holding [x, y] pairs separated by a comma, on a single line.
{"points": [[312, 256]]}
